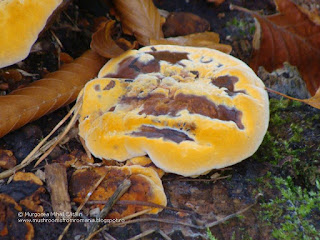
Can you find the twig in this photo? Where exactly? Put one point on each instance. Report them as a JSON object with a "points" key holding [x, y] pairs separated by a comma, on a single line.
{"points": [[140, 203], [226, 218], [201, 180], [283, 95], [38, 150], [165, 236], [125, 218], [124, 186], [154, 220], [57, 39], [63, 134], [143, 234], [82, 205], [108, 236]]}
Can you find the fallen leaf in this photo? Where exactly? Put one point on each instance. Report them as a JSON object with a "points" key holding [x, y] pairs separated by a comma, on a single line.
{"points": [[46, 95], [65, 58], [184, 23], [205, 39], [107, 44], [139, 18], [287, 36], [216, 2]]}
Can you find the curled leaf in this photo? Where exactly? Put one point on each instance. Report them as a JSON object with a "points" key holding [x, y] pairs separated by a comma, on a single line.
{"points": [[184, 23], [46, 95], [103, 41], [139, 18], [205, 39]]}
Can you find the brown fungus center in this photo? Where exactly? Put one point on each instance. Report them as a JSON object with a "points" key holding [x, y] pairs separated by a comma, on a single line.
{"points": [[159, 104], [165, 133], [227, 82]]}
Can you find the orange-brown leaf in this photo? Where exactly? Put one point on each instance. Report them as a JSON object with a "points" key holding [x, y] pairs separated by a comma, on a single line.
{"points": [[104, 44], [139, 18], [205, 39], [46, 95], [288, 36], [184, 23]]}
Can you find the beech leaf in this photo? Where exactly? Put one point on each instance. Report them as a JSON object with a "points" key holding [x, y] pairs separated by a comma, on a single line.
{"points": [[104, 43], [139, 18], [205, 39], [289, 36], [48, 94]]}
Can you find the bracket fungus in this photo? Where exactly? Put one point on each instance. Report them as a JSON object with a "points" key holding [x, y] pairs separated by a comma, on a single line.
{"points": [[145, 186], [189, 109], [20, 23]]}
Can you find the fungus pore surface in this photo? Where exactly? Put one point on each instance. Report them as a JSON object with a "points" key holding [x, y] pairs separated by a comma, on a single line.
{"points": [[189, 109]]}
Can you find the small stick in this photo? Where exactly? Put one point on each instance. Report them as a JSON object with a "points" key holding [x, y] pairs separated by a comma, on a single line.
{"points": [[143, 234], [108, 236], [187, 224], [56, 176], [82, 205], [123, 187], [201, 180], [63, 134], [165, 236], [137, 214], [140, 203], [38, 150]]}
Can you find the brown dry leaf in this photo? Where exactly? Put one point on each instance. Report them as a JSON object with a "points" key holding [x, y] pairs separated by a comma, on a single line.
{"points": [[103, 41], [216, 2], [184, 23], [139, 18], [46, 95], [205, 39], [288, 36]]}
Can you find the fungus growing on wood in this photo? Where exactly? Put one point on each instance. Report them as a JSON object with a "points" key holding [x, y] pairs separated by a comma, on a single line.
{"points": [[189, 109], [20, 24], [145, 186]]}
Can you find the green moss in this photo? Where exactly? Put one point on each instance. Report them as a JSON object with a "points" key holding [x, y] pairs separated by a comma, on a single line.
{"points": [[244, 27], [286, 146], [270, 150], [292, 211], [297, 131], [210, 235]]}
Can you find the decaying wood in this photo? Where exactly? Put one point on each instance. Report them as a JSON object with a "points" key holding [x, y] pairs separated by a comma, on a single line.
{"points": [[56, 176]]}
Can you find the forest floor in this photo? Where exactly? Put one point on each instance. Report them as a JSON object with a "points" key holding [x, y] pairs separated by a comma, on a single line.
{"points": [[281, 180]]}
